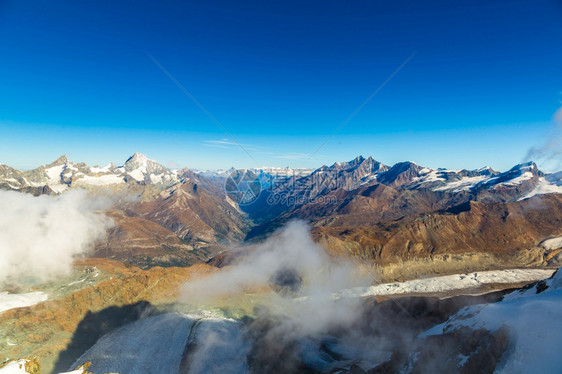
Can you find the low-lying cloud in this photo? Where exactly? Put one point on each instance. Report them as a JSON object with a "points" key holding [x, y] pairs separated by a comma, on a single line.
{"points": [[40, 236], [549, 154], [305, 277], [294, 325]]}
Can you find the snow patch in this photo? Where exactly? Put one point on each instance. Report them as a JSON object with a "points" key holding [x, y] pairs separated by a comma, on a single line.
{"points": [[102, 180], [14, 300], [429, 176], [535, 321], [554, 243], [137, 175], [14, 367], [58, 188], [97, 169], [449, 282], [464, 184], [517, 180], [543, 187], [54, 173]]}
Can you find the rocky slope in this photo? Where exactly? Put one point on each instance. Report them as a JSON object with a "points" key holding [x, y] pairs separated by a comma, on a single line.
{"points": [[431, 219], [477, 236], [161, 217], [377, 213], [368, 191]]}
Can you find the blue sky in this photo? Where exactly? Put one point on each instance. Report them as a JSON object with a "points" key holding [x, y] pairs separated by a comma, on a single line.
{"points": [[280, 77]]}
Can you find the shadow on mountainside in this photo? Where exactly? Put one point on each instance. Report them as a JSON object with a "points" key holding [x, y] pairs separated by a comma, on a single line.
{"points": [[95, 325]]}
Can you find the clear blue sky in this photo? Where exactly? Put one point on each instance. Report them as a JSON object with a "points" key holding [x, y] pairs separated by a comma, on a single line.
{"points": [[280, 76]]}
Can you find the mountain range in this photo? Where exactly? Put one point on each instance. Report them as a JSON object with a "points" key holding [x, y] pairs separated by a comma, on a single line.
{"points": [[427, 238], [379, 214]]}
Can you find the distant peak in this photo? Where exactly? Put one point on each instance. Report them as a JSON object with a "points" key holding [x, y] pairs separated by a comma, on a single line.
{"points": [[59, 161], [525, 165], [486, 170], [406, 165], [138, 157]]}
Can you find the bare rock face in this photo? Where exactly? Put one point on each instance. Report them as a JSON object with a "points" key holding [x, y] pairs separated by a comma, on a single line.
{"points": [[193, 214], [361, 208], [507, 232], [144, 243], [162, 217], [182, 225]]}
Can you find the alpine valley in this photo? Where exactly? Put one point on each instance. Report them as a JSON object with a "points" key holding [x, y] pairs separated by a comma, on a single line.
{"points": [[356, 267]]}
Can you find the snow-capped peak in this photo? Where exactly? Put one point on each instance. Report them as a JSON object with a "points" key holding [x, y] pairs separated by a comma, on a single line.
{"points": [[142, 169], [62, 160], [485, 170], [523, 167], [138, 159]]}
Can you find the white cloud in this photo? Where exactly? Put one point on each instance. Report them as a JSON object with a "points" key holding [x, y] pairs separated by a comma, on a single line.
{"points": [[291, 250], [40, 236], [549, 154]]}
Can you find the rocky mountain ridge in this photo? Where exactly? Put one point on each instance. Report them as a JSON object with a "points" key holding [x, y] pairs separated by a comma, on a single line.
{"points": [[361, 208], [62, 174]]}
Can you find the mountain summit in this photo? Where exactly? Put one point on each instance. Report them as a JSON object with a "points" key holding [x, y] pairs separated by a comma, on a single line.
{"points": [[142, 169]]}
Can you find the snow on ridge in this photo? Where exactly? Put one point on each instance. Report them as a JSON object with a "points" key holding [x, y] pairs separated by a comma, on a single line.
{"points": [[105, 169], [137, 174], [517, 180], [534, 320], [102, 180], [449, 282], [543, 187], [54, 173], [428, 176], [464, 184]]}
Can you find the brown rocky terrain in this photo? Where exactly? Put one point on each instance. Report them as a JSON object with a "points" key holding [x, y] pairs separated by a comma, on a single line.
{"points": [[181, 225], [193, 214], [437, 219], [413, 221], [161, 217], [141, 242], [476, 235]]}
